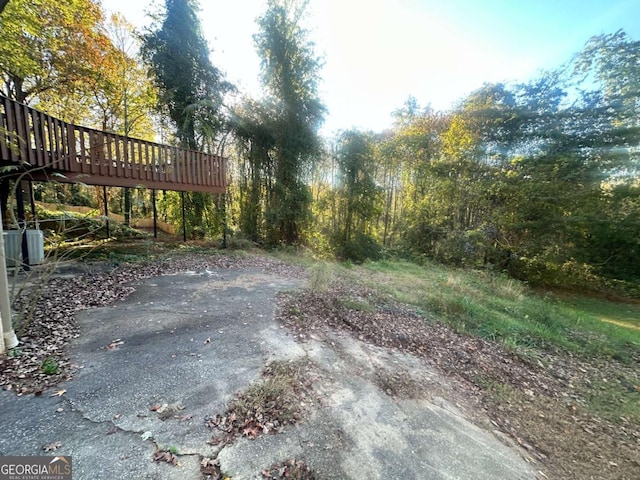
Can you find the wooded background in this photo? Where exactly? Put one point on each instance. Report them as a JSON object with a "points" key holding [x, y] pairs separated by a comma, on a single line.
{"points": [[538, 180]]}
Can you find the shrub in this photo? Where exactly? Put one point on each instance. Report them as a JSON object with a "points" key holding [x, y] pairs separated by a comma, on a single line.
{"points": [[360, 248]]}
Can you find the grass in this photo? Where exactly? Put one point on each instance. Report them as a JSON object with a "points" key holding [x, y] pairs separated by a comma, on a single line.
{"points": [[625, 315], [274, 397], [320, 276], [612, 402], [49, 366], [503, 309]]}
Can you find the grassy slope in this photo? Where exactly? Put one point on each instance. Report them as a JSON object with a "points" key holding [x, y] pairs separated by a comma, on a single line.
{"points": [[575, 396], [502, 309], [531, 325]]}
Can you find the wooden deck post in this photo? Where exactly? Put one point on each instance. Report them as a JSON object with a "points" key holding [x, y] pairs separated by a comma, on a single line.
{"points": [[106, 209], [22, 225], [184, 219], [155, 213]]}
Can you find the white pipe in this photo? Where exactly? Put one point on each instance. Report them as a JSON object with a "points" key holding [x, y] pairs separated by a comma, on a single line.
{"points": [[9, 339]]}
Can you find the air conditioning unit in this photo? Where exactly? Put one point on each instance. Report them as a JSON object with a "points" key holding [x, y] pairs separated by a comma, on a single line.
{"points": [[13, 247]]}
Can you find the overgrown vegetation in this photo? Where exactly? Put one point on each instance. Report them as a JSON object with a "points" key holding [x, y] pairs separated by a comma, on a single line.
{"points": [[538, 180], [267, 406], [537, 360], [519, 190], [499, 308], [557, 373]]}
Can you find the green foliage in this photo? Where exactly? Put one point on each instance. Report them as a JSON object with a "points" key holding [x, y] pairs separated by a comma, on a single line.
{"points": [[357, 191], [538, 180], [255, 143], [49, 366], [295, 111], [191, 88], [238, 242], [359, 248], [38, 56], [190, 92], [502, 309]]}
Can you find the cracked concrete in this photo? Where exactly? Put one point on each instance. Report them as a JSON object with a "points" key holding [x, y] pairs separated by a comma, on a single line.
{"points": [[194, 340]]}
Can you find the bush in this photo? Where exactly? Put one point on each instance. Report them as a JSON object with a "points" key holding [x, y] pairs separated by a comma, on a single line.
{"points": [[239, 242], [460, 248], [539, 270], [360, 248]]}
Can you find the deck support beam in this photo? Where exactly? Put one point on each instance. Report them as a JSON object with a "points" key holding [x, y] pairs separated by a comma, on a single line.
{"points": [[22, 226], [106, 210], [155, 213], [184, 218]]}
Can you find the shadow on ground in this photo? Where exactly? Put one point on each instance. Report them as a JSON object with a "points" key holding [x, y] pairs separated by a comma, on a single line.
{"points": [[190, 342]]}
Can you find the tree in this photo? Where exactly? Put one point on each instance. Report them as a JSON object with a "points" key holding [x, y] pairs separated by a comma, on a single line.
{"points": [[191, 89], [290, 76], [359, 197], [413, 194], [254, 137], [125, 97], [38, 56]]}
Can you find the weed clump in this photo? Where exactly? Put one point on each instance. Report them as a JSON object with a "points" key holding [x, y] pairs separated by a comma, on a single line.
{"points": [[267, 406]]}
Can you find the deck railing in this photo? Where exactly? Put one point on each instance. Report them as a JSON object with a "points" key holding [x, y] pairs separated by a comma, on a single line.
{"points": [[49, 149]]}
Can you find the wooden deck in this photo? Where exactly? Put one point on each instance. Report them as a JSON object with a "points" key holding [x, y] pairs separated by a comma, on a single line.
{"points": [[48, 149]]}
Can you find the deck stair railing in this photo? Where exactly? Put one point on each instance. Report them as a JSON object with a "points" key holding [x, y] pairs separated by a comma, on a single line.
{"points": [[47, 148]]}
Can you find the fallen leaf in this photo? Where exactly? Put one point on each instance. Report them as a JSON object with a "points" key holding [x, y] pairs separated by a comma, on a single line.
{"points": [[210, 467], [115, 344], [252, 432], [59, 393], [165, 456]]}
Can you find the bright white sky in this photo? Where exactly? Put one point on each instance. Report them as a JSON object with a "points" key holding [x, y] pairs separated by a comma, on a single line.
{"points": [[379, 52]]}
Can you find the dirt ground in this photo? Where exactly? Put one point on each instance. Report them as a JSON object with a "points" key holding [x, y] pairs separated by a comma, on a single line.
{"points": [[537, 405]]}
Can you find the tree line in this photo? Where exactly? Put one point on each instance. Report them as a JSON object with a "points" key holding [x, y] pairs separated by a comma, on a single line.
{"points": [[536, 179]]}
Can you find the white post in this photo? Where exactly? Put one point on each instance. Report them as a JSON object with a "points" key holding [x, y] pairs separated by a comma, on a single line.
{"points": [[9, 339]]}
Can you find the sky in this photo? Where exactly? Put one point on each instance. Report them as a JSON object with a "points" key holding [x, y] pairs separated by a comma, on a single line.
{"points": [[377, 53]]}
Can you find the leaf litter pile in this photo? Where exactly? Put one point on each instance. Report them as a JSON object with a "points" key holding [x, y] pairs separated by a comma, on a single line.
{"points": [[292, 469], [45, 309], [266, 407], [539, 403]]}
